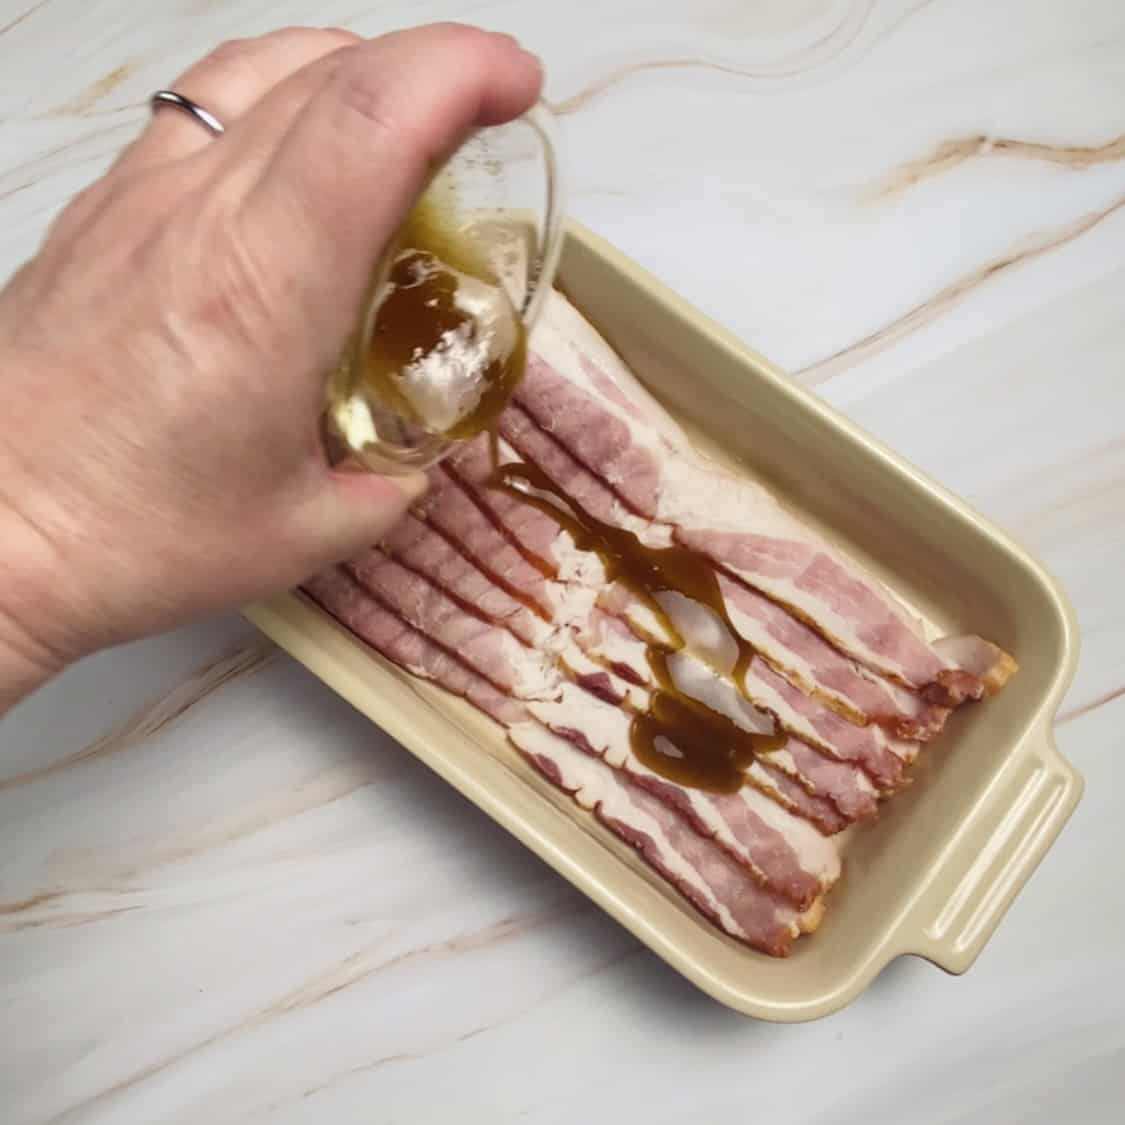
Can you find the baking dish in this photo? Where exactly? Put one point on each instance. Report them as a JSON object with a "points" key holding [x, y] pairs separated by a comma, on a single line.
{"points": [[938, 870]]}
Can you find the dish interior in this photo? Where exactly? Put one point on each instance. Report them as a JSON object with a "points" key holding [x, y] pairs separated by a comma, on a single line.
{"points": [[935, 872]]}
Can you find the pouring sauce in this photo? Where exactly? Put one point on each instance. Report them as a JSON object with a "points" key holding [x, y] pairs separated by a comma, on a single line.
{"points": [[678, 737], [447, 351]]}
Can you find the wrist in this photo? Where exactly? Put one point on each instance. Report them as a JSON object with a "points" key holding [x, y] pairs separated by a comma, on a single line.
{"points": [[28, 656]]}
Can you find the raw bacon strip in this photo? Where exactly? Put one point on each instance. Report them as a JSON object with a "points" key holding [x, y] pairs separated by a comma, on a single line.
{"points": [[447, 508], [696, 681], [567, 341], [420, 548], [610, 442], [601, 681], [841, 784], [785, 853], [492, 652], [708, 637], [854, 799], [573, 349], [801, 716], [597, 630], [544, 541], [752, 837], [865, 747], [617, 646], [555, 553], [740, 526], [372, 621], [609, 639], [989, 663], [847, 787], [827, 793], [809, 662], [766, 777], [845, 609], [531, 532], [437, 562], [537, 443], [716, 886], [466, 521]]}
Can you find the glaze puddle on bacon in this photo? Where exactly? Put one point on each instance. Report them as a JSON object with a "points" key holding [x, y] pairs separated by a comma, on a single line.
{"points": [[720, 687]]}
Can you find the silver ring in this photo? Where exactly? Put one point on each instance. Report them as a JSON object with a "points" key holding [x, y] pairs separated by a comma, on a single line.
{"points": [[204, 116]]}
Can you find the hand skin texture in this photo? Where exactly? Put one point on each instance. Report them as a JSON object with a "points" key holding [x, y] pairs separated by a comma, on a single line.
{"points": [[163, 356]]}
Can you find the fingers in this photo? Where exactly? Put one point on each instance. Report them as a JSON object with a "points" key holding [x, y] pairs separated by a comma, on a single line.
{"points": [[358, 152], [352, 511], [229, 82]]}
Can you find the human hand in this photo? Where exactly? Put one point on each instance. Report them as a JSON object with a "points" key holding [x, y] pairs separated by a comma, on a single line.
{"points": [[164, 354]]}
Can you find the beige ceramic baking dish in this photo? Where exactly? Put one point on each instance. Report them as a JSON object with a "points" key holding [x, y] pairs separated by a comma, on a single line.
{"points": [[937, 872]]}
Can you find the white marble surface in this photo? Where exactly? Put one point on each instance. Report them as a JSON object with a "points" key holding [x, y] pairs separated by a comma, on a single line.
{"points": [[224, 897]]}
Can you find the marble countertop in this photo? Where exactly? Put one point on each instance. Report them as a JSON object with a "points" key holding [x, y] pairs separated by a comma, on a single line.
{"points": [[225, 897]]}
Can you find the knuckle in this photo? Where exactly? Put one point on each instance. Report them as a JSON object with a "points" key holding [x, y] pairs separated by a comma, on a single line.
{"points": [[459, 34], [233, 51], [362, 90], [338, 36], [80, 210], [312, 37], [85, 202], [229, 63], [290, 31]]}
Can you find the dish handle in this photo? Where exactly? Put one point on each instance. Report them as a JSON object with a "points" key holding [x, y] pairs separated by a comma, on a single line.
{"points": [[994, 854]]}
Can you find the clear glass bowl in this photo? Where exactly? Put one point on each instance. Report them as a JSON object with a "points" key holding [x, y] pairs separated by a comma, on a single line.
{"points": [[501, 193]]}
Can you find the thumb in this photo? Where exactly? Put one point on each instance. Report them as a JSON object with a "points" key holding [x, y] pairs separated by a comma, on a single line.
{"points": [[349, 162], [352, 511]]}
